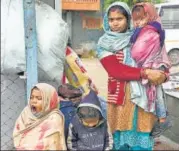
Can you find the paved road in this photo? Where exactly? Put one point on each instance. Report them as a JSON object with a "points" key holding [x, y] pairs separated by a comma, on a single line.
{"points": [[163, 143], [99, 76]]}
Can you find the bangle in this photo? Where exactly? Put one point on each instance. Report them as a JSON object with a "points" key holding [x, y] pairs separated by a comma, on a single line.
{"points": [[143, 74]]}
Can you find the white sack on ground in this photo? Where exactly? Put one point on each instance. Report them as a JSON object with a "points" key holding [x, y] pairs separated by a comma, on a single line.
{"points": [[52, 36]]}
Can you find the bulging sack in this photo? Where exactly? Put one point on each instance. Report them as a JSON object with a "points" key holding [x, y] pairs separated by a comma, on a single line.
{"points": [[52, 36]]}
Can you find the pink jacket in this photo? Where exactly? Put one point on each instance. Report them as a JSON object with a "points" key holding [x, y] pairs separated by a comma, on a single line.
{"points": [[146, 51]]}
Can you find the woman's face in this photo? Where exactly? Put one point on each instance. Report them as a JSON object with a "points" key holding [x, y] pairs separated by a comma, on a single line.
{"points": [[36, 102], [117, 21]]}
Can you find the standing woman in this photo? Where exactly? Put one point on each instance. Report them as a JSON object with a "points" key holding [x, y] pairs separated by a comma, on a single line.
{"points": [[130, 124], [40, 126]]}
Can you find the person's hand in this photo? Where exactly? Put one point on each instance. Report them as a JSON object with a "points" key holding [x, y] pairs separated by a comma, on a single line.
{"points": [[155, 77], [94, 88]]}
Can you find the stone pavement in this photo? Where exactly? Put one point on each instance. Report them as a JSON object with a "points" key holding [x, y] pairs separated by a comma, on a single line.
{"points": [[163, 143]]}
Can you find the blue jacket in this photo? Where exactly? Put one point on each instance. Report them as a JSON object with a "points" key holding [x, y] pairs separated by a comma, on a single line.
{"points": [[68, 109], [81, 137]]}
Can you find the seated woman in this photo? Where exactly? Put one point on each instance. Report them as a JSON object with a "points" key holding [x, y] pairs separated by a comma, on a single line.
{"points": [[40, 126]]}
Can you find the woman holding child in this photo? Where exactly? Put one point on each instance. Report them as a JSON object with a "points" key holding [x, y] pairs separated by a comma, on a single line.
{"points": [[130, 125]]}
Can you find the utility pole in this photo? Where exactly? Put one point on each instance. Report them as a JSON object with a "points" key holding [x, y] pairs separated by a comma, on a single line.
{"points": [[30, 44], [58, 6], [69, 22]]}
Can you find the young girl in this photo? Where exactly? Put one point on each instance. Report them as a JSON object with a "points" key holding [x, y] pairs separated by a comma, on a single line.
{"points": [[89, 129], [148, 51], [40, 126], [129, 123]]}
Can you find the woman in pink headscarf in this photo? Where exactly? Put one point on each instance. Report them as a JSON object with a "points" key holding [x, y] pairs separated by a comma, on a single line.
{"points": [[148, 50], [40, 126]]}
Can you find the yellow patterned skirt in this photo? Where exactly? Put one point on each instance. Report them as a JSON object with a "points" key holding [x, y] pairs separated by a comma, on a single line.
{"points": [[120, 117]]}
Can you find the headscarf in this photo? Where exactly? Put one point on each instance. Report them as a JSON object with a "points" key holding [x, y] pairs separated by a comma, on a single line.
{"points": [[90, 107], [153, 20], [111, 42], [27, 120], [150, 9]]}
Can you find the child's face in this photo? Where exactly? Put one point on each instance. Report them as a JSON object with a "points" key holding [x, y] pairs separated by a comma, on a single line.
{"points": [[140, 18], [90, 122], [117, 21], [36, 101]]}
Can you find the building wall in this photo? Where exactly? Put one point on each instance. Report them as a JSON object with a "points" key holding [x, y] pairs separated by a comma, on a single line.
{"points": [[81, 35]]}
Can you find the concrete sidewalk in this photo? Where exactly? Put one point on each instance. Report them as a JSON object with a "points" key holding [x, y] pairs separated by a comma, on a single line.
{"points": [[163, 143]]}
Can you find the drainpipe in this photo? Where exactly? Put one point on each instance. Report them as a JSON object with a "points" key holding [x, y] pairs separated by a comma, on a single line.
{"points": [[58, 6], [30, 45], [69, 22]]}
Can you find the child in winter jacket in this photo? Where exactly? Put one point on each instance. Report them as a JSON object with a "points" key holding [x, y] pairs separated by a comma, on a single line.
{"points": [[88, 129]]}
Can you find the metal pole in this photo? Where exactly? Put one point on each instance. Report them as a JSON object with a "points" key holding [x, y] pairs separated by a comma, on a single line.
{"points": [[58, 6], [30, 44], [69, 22]]}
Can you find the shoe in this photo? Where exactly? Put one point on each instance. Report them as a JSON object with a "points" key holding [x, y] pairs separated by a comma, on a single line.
{"points": [[160, 128]]}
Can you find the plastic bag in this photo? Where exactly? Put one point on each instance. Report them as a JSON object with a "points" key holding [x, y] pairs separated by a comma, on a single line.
{"points": [[76, 72], [52, 36]]}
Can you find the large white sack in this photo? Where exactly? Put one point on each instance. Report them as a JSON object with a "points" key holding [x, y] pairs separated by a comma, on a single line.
{"points": [[52, 36]]}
